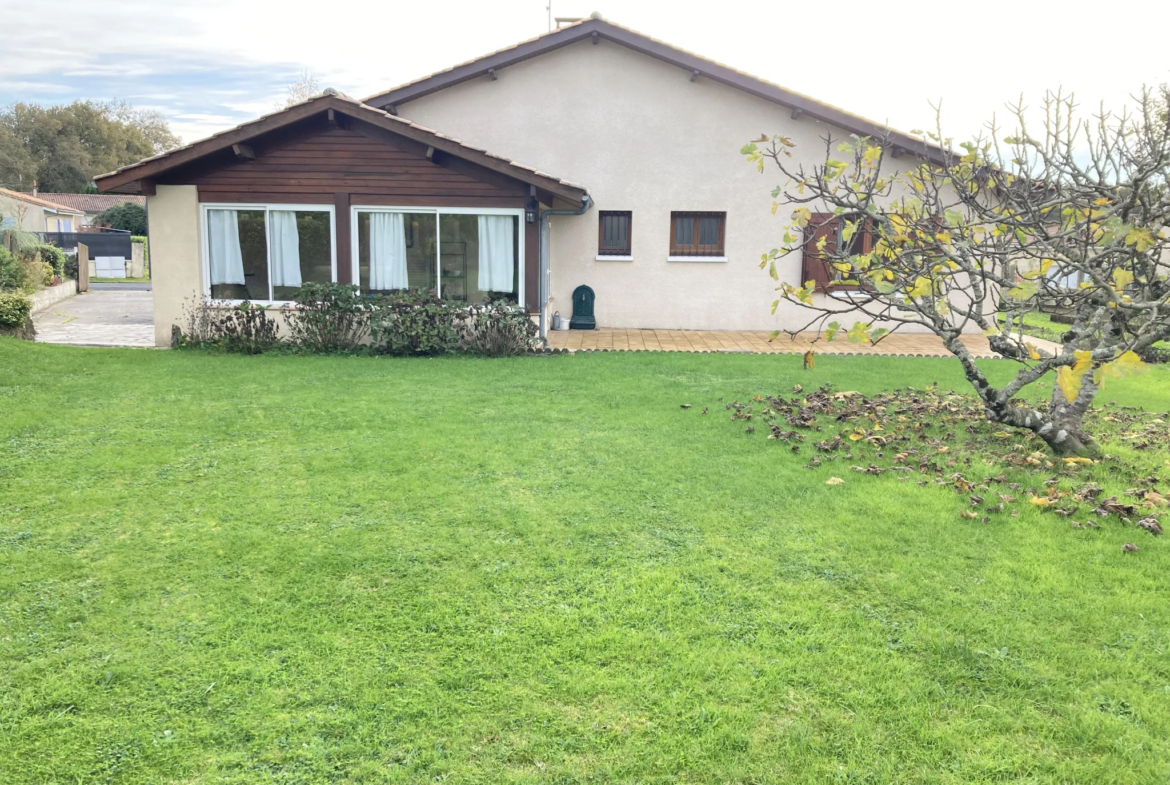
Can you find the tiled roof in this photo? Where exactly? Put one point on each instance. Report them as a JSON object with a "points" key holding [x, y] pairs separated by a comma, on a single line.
{"points": [[40, 202], [93, 203]]}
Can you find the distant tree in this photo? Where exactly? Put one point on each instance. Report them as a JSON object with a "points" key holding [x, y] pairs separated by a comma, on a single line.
{"points": [[17, 167], [303, 89], [64, 147], [1075, 215], [150, 122], [128, 216]]}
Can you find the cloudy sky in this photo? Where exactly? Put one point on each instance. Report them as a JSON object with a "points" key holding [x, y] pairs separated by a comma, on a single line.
{"points": [[211, 64]]}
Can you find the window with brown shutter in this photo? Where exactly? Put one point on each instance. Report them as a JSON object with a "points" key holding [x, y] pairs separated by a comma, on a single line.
{"points": [[814, 261], [697, 234], [817, 265], [613, 232]]}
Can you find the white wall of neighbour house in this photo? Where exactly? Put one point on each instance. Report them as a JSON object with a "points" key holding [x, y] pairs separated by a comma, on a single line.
{"points": [[175, 252], [641, 136]]}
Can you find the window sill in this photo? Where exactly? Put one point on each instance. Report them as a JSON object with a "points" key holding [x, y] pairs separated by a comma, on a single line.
{"points": [[850, 294], [696, 258], [611, 258]]}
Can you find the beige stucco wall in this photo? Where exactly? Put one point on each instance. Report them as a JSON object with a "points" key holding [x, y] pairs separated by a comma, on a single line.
{"points": [[29, 217], [175, 267], [641, 136]]}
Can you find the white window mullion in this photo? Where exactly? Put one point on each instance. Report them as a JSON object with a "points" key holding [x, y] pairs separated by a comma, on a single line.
{"points": [[438, 255]]}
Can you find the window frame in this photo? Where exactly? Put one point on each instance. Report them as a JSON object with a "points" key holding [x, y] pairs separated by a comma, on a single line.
{"points": [[700, 253], [267, 207], [612, 253], [438, 212]]}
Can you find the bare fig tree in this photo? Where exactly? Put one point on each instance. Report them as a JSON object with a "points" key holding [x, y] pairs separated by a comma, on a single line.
{"points": [[960, 242], [305, 87]]}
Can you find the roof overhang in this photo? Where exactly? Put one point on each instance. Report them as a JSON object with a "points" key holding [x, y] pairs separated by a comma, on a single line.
{"points": [[141, 177], [596, 29]]}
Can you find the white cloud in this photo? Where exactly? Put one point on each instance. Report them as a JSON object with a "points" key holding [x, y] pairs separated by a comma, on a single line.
{"points": [[886, 63]]}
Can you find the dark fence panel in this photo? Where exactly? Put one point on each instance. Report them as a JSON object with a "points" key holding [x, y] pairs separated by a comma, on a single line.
{"points": [[114, 243]]}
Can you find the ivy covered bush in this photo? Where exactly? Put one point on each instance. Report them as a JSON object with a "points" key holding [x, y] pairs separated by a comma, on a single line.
{"points": [[413, 321], [330, 318]]}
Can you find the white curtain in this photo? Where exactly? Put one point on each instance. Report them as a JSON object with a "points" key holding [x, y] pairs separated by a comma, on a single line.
{"points": [[227, 261], [495, 253], [387, 252], [284, 248]]}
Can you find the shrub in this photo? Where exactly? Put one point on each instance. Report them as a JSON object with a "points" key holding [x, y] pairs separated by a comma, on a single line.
{"points": [[246, 329], [240, 329], [15, 308], [498, 329], [54, 256], [43, 273], [413, 322], [330, 318], [37, 274], [70, 267], [1155, 354], [199, 328], [127, 216], [13, 274]]}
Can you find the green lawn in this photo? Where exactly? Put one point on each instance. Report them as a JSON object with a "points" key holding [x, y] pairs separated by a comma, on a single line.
{"points": [[1042, 326], [282, 569]]}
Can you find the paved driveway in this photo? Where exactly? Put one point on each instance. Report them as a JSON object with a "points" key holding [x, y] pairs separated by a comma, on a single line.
{"points": [[108, 315]]}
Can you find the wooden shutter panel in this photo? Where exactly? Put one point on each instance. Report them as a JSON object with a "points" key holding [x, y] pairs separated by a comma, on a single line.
{"points": [[814, 266]]}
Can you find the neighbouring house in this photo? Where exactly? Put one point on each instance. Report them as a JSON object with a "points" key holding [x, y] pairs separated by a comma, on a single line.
{"points": [[90, 205], [650, 203], [37, 214]]}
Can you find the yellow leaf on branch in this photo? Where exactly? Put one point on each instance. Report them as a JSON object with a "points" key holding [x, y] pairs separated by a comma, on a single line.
{"points": [[1070, 385]]}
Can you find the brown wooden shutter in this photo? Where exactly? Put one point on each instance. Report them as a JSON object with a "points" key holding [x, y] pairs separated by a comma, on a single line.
{"points": [[814, 266]]}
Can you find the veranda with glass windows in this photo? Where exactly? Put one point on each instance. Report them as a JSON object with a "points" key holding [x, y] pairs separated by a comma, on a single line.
{"points": [[265, 252]]}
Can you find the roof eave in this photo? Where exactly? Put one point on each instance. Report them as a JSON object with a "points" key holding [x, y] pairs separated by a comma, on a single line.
{"points": [[588, 29], [131, 179]]}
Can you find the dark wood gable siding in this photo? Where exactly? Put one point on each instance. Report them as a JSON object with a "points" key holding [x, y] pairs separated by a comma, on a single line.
{"points": [[361, 164], [312, 168]]}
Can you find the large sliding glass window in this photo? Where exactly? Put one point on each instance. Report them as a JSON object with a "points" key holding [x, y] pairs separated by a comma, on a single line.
{"points": [[396, 251], [266, 252], [464, 256]]}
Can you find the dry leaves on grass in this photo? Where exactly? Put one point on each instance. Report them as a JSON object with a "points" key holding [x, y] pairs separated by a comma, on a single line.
{"points": [[942, 437]]}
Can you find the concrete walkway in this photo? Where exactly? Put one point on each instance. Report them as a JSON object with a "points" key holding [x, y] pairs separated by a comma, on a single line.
{"points": [[117, 316], [899, 344]]}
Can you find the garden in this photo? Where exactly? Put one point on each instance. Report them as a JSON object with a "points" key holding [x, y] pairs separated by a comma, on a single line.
{"points": [[329, 318], [636, 567], [27, 266]]}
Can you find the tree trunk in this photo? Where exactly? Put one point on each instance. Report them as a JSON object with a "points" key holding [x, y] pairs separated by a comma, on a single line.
{"points": [[1062, 428], [1068, 417]]}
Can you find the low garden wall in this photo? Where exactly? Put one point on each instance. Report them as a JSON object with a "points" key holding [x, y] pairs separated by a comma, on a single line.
{"points": [[51, 295]]}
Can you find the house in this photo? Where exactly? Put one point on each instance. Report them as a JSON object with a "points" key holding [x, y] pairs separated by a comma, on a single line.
{"points": [[91, 205], [37, 214], [648, 203]]}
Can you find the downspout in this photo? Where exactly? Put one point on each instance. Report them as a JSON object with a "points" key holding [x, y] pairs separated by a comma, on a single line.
{"points": [[586, 203]]}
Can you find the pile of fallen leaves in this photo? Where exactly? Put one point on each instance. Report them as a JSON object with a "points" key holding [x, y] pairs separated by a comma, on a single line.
{"points": [[942, 437]]}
